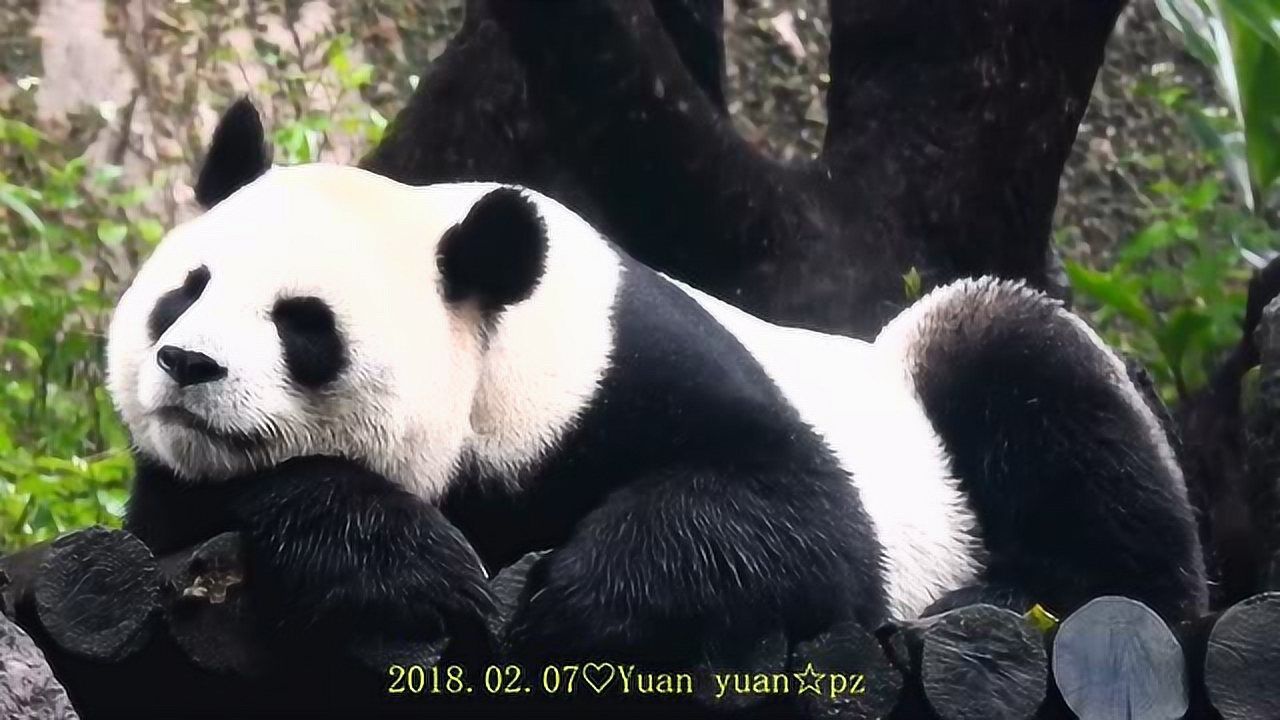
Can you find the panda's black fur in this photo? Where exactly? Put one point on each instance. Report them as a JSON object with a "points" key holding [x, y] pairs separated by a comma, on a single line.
{"points": [[692, 482], [690, 508]]}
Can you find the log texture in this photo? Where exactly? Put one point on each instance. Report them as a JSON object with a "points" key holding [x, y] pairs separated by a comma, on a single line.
{"points": [[28, 689], [1115, 659], [199, 649]]}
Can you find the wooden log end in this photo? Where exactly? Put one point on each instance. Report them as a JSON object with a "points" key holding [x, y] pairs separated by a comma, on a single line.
{"points": [[18, 573], [96, 592], [28, 689], [859, 684], [981, 661], [766, 657], [1116, 659], [507, 586], [209, 615], [1242, 662]]}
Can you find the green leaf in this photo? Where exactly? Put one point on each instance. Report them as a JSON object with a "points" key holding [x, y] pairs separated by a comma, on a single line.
{"points": [[1203, 196], [1041, 619], [1262, 17], [1187, 327], [336, 52], [911, 284], [27, 137], [1194, 21], [1224, 38], [10, 199], [1170, 97], [112, 233], [150, 230], [358, 77], [1111, 291], [24, 348], [1156, 236], [1257, 63], [105, 174]]}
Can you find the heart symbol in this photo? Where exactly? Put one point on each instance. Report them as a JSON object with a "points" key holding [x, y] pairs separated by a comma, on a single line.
{"points": [[598, 675]]}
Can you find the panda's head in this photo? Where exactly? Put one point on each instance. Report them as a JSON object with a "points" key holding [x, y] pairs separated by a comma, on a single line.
{"points": [[322, 309]]}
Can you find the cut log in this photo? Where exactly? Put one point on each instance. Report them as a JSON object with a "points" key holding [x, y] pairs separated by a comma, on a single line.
{"points": [[18, 574], [507, 586], [96, 593], [1115, 659], [733, 685], [859, 684], [975, 662], [208, 612], [1242, 663], [28, 689]]}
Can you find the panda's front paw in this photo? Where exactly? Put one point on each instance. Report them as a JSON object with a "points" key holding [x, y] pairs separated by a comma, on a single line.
{"points": [[569, 613], [340, 553]]}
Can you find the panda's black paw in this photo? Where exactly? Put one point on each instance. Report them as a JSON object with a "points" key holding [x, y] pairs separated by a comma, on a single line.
{"points": [[569, 614], [337, 554]]}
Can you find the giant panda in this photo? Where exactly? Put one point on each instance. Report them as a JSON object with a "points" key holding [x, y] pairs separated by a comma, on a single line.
{"points": [[394, 391]]}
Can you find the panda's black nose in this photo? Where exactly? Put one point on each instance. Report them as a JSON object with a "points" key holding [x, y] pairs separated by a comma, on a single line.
{"points": [[189, 367]]}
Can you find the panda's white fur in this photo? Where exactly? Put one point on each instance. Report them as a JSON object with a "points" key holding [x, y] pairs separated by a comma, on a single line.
{"points": [[858, 396], [420, 395], [435, 390]]}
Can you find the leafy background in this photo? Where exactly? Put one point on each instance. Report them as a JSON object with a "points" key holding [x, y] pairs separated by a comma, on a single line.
{"points": [[1168, 203]]}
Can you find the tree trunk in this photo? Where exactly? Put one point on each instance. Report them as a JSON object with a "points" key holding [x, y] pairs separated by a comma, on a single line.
{"points": [[949, 126]]}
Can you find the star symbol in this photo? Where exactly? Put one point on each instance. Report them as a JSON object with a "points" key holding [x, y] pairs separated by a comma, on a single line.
{"points": [[810, 681]]}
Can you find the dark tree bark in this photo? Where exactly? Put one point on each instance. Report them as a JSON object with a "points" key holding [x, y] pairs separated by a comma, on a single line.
{"points": [[1230, 457], [949, 126], [952, 122], [28, 689], [952, 678]]}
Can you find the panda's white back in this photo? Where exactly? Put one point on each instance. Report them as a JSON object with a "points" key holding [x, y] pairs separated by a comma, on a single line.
{"points": [[858, 396]]}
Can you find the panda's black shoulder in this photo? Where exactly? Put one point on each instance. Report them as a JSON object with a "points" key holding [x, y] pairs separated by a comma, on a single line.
{"points": [[681, 396]]}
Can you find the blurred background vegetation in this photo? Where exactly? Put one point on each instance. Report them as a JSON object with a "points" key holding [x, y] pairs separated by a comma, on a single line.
{"points": [[1169, 201]]}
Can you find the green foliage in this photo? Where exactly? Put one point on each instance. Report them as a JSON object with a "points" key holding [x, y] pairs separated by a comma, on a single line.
{"points": [[298, 71], [71, 236], [912, 284], [1240, 41], [1174, 295], [1175, 292], [63, 458]]}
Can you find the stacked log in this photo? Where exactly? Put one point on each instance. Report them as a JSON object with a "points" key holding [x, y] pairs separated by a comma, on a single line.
{"points": [[130, 634]]}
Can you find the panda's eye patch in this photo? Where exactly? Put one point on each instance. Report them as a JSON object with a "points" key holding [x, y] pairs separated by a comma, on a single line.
{"points": [[313, 348], [172, 304]]}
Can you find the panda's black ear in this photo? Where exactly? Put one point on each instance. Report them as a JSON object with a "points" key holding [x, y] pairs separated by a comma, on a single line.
{"points": [[237, 155], [495, 256]]}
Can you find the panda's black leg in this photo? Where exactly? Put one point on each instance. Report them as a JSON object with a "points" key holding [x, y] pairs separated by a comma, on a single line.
{"points": [[692, 569], [338, 553], [1071, 477]]}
